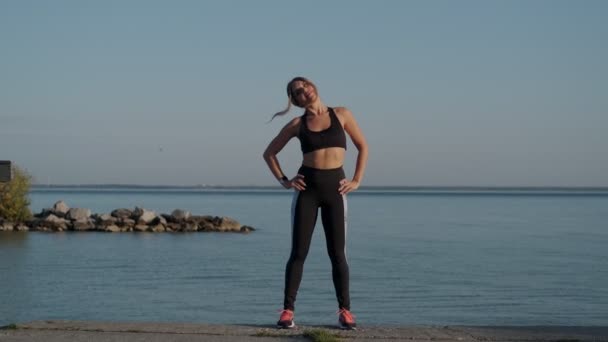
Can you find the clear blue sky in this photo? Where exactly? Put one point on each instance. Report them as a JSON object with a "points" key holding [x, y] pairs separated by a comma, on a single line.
{"points": [[482, 93]]}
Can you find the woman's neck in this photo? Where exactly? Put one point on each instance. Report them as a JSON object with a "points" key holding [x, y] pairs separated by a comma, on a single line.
{"points": [[317, 108]]}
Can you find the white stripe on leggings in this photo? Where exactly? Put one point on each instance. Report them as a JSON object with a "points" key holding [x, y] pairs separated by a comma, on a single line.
{"points": [[345, 222]]}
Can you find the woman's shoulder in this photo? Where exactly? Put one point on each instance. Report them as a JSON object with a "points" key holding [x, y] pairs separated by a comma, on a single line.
{"points": [[342, 111], [343, 114], [295, 121], [293, 125]]}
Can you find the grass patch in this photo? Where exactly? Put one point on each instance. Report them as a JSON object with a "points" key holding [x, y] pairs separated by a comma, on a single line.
{"points": [[9, 327], [319, 335]]}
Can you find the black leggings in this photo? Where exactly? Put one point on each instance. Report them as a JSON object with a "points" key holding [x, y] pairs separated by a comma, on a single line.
{"points": [[321, 192]]}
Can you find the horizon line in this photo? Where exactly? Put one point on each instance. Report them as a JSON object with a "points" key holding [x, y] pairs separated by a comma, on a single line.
{"points": [[363, 187]]}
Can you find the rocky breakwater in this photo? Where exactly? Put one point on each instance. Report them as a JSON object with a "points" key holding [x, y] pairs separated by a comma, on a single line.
{"points": [[63, 218]]}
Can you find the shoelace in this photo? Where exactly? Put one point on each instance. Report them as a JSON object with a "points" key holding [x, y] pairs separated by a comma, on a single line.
{"points": [[349, 317], [285, 312]]}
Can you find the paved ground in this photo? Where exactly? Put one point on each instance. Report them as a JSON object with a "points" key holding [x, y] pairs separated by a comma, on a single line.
{"points": [[52, 331]]}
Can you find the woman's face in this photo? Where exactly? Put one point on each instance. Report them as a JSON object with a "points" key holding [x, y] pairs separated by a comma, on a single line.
{"points": [[303, 93]]}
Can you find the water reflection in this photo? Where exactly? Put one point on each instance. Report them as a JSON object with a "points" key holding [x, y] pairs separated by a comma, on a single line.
{"points": [[12, 239], [13, 267]]}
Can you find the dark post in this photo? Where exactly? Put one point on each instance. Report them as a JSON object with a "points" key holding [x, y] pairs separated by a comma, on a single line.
{"points": [[6, 171]]}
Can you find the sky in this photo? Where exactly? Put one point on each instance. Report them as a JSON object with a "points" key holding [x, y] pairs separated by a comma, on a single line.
{"points": [[447, 93]]}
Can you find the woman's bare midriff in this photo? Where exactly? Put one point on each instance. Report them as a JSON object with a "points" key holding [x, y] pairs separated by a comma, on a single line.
{"points": [[326, 158]]}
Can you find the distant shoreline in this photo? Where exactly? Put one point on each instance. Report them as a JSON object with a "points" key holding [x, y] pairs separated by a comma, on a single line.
{"points": [[368, 188]]}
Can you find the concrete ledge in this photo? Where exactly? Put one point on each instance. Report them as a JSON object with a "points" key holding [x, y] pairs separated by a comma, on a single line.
{"points": [[51, 331]]}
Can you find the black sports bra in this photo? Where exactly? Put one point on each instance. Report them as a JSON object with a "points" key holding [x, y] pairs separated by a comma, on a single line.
{"points": [[333, 136]]}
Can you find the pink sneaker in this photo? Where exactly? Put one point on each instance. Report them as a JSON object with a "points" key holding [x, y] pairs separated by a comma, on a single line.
{"points": [[286, 320], [346, 320]]}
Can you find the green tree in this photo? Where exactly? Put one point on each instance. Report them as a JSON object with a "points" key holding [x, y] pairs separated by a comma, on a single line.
{"points": [[14, 200]]}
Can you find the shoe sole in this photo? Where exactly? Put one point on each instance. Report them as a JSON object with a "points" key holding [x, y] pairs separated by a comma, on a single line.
{"points": [[291, 326], [346, 327]]}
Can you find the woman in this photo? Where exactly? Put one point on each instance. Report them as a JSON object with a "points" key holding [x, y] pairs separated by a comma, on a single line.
{"points": [[320, 183]]}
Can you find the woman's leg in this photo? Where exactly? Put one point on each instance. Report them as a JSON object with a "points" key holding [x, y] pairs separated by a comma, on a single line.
{"points": [[333, 215], [304, 218]]}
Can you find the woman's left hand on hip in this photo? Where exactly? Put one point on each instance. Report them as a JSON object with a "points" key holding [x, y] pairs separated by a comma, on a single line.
{"points": [[347, 186]]}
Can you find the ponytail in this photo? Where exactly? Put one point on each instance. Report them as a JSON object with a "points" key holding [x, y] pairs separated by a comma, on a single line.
{"points": [[284, 111]]}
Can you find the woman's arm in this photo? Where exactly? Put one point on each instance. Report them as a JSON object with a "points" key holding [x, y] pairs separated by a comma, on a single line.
{"points": [[356, 135], [276, 145]]}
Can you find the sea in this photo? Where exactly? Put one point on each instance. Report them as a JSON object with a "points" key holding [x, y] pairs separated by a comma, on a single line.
{"points": [[437, 256]]}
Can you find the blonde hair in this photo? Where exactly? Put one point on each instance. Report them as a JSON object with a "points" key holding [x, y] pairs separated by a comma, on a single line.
{"points": [[290, 98]]}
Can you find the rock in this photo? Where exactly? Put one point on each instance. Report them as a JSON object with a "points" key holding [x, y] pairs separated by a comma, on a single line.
{"points": [[127, 222], [61, 218], [112, 228], [189, 227], [106, 219], [55, 222], [179, 215], [246, 229], [228, 224], [157, 228], [173, 226], [143, 216], [83, 224], [136, 212], [21, 228], [39, 228], [206, 223], [122, 213], [140, 228], [78, 214], [159, 219], [34, 222], [54, 219], [199, 219], [6, 226], [206, 226], [45, 212], [60, 208]]}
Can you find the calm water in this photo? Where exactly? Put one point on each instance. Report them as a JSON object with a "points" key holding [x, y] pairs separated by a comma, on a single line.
{"points": [[415, 258]]}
